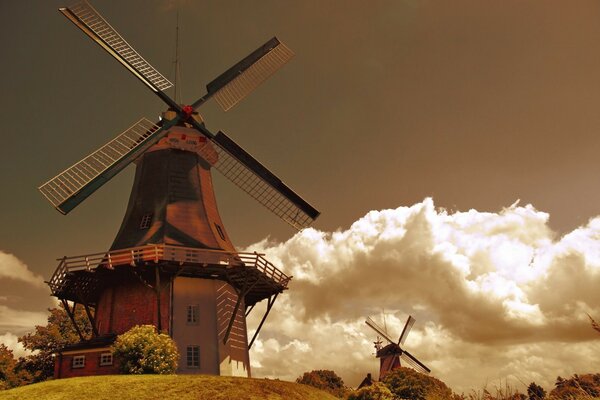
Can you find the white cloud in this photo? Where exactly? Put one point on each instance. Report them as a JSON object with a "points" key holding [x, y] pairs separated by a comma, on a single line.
{"points": [[496, 295], [13, 268], [19, 320], [12, 342]]}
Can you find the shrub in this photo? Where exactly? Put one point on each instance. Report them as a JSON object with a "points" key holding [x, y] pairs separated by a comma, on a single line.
{"points": [[406, 383], [325, 380], [142, 350], [535, 392], [376, 391], [577, 386]]}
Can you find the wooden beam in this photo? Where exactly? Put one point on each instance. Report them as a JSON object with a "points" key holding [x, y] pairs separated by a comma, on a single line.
{"points": [[71, 315], [241, 294], [270, 303], [88, 312], [157, 290]]}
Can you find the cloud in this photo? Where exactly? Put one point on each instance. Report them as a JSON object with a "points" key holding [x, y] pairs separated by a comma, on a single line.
{"points": [[496, 295], [13, 268], [20, 321], [12, 342]]}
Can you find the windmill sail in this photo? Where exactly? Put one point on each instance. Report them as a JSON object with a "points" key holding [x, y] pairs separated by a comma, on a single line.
{"points": [[413, 362], [253, 178], [245, 76], [378, 329], [69, 188], [86, 18], [407, 327]]}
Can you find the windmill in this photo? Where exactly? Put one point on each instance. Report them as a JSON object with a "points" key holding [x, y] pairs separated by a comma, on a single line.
{"points": [[391, 354], [172, 263]]}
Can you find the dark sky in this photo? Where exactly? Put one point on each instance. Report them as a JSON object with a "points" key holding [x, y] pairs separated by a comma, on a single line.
{"points": [[475, 104]]}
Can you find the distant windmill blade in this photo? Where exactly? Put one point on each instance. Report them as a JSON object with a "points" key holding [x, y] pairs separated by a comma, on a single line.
{"points": [[245, 76], [99, 30], [253, 178], [69, 188], [378, 329], [413, 362], [407, 327]]}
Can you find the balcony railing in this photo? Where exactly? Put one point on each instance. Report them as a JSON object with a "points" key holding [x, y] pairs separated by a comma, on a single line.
{"points": [[161, 253]]}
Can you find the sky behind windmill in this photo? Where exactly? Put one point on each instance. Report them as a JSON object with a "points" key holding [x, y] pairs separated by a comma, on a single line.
{"points": [[444, 114]]}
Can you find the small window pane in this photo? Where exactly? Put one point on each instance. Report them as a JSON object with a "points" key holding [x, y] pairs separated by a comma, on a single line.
{"points": [[78, 361], [220, 231], [106, 359], [146, 221], [193, 312], [193, 356]]}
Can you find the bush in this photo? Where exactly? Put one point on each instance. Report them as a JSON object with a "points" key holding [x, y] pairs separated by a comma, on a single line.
{"points": [[376, 391], [577, 386], [325, 380], [535, 392], [142, 350], [406, 383]]}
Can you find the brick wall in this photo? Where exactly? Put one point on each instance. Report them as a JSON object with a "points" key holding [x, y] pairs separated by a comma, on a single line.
{"points": [[124, 305], [63, 367]]}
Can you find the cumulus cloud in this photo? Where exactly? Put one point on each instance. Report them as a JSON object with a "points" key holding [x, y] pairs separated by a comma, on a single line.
{"points": [[20, 321], [496, 296], [12, 342], [13, 268]]}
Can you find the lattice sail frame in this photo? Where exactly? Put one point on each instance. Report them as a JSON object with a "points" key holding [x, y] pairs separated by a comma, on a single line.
{"points": [[255, 186], [62, 187], [98, 29], [249, 79]]}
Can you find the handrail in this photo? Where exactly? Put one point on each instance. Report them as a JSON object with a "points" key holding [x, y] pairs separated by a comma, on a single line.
{"points": [[162, 252]]}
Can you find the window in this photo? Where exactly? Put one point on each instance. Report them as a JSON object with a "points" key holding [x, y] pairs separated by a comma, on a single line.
{"points": [[193, 312], [220, 231], [106, 359], [146, 221], [193, 356], [78, 361]]}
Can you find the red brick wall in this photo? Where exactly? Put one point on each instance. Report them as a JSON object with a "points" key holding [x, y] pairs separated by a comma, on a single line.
{"points": [[63, 367], [127, 304]]}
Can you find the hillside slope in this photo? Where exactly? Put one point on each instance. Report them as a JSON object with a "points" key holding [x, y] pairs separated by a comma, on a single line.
{"points": [[164, 387]]}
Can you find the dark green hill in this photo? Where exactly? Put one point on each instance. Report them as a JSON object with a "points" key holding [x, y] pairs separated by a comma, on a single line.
{"points": [[164, 387]]}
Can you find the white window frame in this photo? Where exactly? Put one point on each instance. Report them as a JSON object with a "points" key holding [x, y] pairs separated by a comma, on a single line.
{"points": [[78, 362], [106, 359]]}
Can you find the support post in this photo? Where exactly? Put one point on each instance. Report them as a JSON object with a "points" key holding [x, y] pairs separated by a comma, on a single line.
{"points": [[71, 314], [250, 309], [270, 303], [157, 289], [241, 294], [88, 313]]}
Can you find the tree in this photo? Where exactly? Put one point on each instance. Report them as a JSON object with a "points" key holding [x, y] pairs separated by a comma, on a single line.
{"points": [[142, 350], [376, 391], [325, 380], [587, 385], [10, 374], [50, 338], [535, 392], [406, 383]]}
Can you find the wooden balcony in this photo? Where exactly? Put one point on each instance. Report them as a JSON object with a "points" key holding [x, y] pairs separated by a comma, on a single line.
{"points": [[83, 277]]}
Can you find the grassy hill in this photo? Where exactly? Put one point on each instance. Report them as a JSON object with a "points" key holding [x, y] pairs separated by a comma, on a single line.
{"points": [[164, 387]]}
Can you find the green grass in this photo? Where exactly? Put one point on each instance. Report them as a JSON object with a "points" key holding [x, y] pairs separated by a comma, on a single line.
{"points": [[164, 387]]}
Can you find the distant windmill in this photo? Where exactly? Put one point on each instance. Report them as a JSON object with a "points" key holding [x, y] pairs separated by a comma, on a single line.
{"points": [[390, 355], [172, 263]]}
